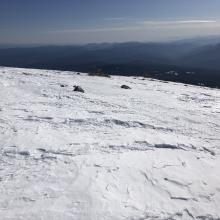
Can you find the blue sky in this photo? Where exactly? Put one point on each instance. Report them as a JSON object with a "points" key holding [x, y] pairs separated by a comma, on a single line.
{"points": [[85, 21]]}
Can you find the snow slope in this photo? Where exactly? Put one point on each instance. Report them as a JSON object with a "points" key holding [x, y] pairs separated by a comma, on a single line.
{"points": [[152, 152]]}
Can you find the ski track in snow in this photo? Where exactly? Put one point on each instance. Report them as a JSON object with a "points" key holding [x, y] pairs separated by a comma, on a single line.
{"points": [[152, 152]]}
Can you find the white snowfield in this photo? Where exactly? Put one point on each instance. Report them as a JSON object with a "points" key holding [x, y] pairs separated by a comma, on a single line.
{"points": [[151, 152]]}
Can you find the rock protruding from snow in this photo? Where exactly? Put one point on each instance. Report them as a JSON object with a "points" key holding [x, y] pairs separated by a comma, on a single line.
{"points": [[78, 89], [125, 87]]}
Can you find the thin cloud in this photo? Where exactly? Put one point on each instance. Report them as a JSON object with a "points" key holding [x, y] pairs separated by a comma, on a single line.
{"points": [[176, 22], [196, 21], [142, 25], [79, 30]]}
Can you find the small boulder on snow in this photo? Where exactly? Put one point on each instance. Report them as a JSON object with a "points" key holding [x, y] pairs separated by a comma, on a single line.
{"points": [[78, 89], [125, 87]]}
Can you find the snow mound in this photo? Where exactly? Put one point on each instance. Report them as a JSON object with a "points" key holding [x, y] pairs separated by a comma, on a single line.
{"points": [[151, 152]]}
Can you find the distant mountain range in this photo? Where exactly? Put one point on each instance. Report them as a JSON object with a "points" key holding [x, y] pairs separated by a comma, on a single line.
{"points": [[207, 57], [190, 61]]}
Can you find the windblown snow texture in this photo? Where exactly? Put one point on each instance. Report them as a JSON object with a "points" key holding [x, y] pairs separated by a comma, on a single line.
{"points": [[151, 152]]}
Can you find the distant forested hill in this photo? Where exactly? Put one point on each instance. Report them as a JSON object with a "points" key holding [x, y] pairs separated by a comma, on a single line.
{"points": [[187, 62]]}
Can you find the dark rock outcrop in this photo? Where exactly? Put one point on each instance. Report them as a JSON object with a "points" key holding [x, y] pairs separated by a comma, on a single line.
{"points": [[125, 87], [78, 89]]}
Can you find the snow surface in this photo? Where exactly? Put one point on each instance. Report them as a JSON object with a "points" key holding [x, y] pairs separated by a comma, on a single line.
{"points": [[152, 152]]}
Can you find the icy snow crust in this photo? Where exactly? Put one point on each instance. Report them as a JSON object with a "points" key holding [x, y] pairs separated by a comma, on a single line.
{"points": [[152, 152]]}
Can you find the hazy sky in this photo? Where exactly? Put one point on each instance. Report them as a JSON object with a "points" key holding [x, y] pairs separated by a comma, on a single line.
{"points": [[84, 21]]}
